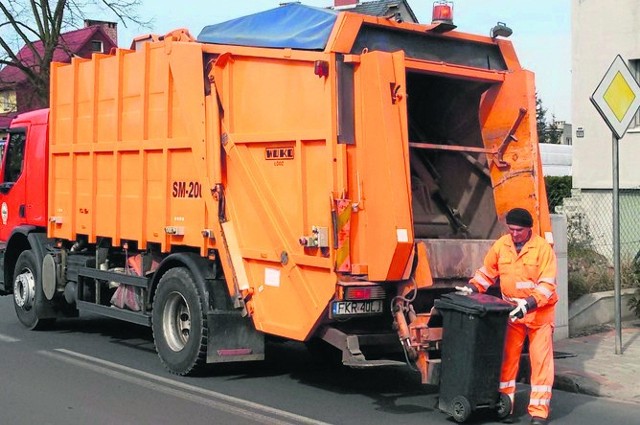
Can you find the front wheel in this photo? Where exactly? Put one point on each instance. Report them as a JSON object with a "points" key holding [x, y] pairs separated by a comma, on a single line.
{"points": [[179, 323], [27, 291]]}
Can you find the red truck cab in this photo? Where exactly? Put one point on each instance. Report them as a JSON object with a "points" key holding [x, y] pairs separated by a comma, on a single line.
{"points": [[23, 174]]}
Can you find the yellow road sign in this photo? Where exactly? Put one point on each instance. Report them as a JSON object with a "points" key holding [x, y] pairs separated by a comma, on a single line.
{"points": [[617, 97]]}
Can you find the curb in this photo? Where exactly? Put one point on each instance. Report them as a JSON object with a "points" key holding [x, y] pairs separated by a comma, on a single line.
{"points": [[576, 382]]}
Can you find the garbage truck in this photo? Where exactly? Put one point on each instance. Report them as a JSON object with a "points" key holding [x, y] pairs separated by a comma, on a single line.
{"points": [[301, 173]]}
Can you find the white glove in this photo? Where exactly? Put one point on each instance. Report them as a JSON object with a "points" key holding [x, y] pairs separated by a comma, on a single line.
{"points": [[464, 290], [520, 311]]}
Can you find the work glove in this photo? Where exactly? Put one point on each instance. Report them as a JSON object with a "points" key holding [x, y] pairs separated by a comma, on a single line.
{"points": [[523, 306], [464, 290]]}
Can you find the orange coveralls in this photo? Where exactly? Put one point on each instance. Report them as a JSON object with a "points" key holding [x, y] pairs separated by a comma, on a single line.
{"points": [[532, 272]]}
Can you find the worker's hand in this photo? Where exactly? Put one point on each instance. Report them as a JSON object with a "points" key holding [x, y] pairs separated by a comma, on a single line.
{"points": [[464, 290], [521, 309]]}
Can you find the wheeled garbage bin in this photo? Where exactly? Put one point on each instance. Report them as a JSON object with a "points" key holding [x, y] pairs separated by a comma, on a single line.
{"points": [[473, 334]]}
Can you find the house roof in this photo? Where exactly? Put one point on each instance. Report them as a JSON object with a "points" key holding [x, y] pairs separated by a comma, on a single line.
{"points": [[70, 44], [380, 8], [5, 120]]}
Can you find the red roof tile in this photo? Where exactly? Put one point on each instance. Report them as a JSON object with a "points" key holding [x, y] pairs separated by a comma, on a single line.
{"points": [[70, 44]]}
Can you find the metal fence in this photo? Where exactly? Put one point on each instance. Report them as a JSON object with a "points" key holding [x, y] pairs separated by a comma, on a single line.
{"points": [[590, 221]]}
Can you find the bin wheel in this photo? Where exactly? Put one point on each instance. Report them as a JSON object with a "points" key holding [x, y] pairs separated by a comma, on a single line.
{"points": [[503, 407], [460, 409]]}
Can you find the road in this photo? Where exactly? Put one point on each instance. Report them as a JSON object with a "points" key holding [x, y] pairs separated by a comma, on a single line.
{"points": [[93, 370]]}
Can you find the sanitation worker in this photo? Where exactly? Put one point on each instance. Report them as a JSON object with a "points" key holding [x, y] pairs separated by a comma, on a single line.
{"points": [[525, 265]]}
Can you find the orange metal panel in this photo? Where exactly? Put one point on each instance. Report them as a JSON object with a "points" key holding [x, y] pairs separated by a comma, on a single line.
{"points": [[521, 182], [379, 172], [128, 157], [279, 177]]}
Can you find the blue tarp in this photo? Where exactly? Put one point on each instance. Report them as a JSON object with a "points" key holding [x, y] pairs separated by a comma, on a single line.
{"points": [[293, 25]]}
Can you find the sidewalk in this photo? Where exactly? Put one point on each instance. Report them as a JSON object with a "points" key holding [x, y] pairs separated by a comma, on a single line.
{"points": [[588, 364]]}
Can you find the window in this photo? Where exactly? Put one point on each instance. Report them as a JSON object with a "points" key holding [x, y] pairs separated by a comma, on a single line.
{"points": [[7, 101], [15, 156], [634, 66], [96, 46]]}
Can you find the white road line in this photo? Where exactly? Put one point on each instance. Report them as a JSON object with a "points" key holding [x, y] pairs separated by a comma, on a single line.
{"points": [[163, 384], [7, 338]]}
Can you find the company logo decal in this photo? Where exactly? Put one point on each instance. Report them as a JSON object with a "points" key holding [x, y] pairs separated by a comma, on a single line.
{"points": [[4, 210], [278, 153]]}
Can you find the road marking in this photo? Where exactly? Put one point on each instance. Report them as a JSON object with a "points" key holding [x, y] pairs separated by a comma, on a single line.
{"points": [[206, 397], [7, 338]]}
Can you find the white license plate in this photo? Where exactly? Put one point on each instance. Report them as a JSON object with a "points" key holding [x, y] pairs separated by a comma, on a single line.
{"points": [[356, 308]]}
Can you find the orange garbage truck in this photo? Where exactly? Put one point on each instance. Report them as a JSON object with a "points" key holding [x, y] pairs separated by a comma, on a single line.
{"points": [[301, 173]]}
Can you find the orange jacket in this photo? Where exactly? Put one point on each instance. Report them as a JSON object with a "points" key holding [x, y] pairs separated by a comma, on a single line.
{"points": [[530, 273]]}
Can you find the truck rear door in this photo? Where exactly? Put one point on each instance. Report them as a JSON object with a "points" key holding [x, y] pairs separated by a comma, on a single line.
{"points": [[381, 173]]}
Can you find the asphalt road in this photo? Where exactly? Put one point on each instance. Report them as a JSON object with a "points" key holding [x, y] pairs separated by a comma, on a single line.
{"points": [[94, 370]]}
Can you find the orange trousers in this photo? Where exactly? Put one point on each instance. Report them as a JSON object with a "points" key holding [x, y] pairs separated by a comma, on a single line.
{"points": [[541, 359]]}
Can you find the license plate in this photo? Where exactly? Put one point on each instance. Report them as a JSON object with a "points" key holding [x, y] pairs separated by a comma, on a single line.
{"points": [[356, 308]]}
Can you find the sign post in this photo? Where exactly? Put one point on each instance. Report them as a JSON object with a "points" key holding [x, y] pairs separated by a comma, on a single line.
{"points": [[617, 99]]}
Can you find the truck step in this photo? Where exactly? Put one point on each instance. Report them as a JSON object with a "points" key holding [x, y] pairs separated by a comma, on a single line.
{"points": [[357, 363], [116, 313]]}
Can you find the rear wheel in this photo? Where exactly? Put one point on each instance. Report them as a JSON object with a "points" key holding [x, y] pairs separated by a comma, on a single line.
{"points": [[179, 323], [27, 291]]}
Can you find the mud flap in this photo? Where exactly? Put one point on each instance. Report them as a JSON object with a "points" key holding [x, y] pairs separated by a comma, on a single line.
{"points": [[233, 338]]}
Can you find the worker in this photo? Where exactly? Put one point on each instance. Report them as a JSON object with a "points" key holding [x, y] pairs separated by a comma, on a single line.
{"points": [[525, 266]]}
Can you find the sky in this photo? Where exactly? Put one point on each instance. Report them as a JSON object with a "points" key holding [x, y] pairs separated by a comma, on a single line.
{"points": [[541, 32]]}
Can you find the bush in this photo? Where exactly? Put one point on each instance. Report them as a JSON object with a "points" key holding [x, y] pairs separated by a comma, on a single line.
{"points": [[558, 188], [588, 270]]}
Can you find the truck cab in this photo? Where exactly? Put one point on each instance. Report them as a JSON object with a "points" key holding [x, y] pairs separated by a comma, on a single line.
{"points": [[23, 179]]}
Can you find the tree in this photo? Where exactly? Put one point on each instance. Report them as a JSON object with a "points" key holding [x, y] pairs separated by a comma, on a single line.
{"points": [[547, 132], [29, 21], [541, 119]]}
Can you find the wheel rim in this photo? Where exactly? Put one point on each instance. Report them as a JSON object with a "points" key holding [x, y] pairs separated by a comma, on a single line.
{"points": [[176, 321], [24, 289]]}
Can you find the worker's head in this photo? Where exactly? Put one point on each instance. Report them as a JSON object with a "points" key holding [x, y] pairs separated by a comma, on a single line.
{"points": [[519, 223]]}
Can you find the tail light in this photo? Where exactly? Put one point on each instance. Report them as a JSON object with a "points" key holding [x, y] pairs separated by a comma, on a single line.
{"points": [[353, 293]]}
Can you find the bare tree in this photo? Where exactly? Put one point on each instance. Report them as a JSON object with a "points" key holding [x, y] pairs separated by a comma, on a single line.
{"points": [[30, 21]]}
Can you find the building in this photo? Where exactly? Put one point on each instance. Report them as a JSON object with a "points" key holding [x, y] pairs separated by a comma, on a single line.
{"points": [[556, 159], [596, 41], [17, 95], [566, 130], [393, 9]]}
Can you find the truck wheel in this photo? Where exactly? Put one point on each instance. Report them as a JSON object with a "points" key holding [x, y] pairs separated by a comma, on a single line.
{"points": [[27, 290], [179, 323], [460, 409]]}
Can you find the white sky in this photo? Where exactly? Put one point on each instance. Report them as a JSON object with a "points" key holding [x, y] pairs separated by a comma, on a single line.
{"points": [[541, 31]]}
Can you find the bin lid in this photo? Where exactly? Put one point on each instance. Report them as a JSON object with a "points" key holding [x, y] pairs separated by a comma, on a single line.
{"points": [[475, 303]]}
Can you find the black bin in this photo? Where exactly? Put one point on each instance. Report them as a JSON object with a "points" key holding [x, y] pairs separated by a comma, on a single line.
{"points": [[474, 328]]}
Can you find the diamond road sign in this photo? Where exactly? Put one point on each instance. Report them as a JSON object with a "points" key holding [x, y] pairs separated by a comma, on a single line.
{"points": [[617, 97]]}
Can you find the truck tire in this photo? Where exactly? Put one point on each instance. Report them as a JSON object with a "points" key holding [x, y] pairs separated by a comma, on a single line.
{"points": [[27, 292], [179, 323]]}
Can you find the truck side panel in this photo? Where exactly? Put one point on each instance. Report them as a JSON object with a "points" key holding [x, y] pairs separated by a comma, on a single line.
{"points": [[127, 133], [280, 161]]}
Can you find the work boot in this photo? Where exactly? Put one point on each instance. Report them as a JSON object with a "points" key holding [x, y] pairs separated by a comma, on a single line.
{"points": [[538, 421]]}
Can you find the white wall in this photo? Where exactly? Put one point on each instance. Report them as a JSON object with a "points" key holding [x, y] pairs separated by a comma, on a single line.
{"points": [[556, 159], [601, 29]]}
